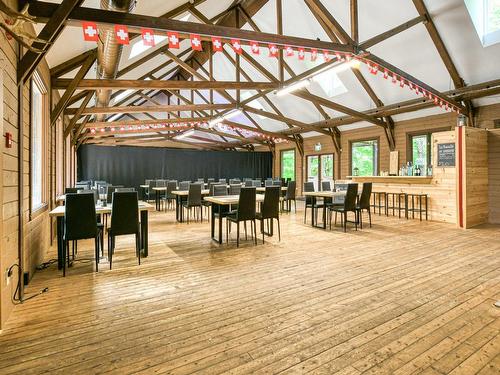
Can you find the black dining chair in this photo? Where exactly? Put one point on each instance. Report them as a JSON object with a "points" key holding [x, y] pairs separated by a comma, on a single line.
{"points": [[223, 180], [244, 213], [310, 201], [193, 200], [209, 180], [270, 209], [326, 186], [80, 223], [111, 190], [364, 203], [184, 185], [290, 196], [268, 183], [124, 190], [348, 206], [234, 189], [124, 221], [70, 190], [150, 193], [169, 196], [248, 183], [257, 183]]}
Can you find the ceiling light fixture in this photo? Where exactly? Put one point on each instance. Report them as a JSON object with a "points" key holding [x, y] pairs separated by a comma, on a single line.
{"points": [[293, 87]]}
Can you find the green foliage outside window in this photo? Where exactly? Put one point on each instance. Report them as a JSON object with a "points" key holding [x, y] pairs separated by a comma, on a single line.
{"points": [[364, 158], [288, 164]]}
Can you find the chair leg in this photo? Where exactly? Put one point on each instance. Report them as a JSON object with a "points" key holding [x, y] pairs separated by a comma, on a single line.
{"points": [[360, 215], [345, 221], [64, 258], [110, 250], [237, 234], [279, 229], [245, 226], [262, 229], [370, 217], [255, 231], [96, 249], [138, 248]]}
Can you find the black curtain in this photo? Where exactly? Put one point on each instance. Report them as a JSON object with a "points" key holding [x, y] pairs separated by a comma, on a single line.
{"points": [[130, 166]]}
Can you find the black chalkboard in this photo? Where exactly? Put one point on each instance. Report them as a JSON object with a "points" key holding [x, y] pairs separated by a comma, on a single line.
{"points": [[446, 155]]}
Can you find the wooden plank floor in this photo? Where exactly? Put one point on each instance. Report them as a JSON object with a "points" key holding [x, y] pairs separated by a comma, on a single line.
{"points": [[403, 297]]}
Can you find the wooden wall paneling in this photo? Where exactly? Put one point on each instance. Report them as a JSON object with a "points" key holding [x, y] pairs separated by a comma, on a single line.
{"points": [[494, 176]]}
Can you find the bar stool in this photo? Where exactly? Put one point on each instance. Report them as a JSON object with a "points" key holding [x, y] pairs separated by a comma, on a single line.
{"points": [[381, 195], [416, 198], [393, 198]]}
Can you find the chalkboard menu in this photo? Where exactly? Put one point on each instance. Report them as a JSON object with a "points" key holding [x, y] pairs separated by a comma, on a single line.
{"points": [[446, 155]]}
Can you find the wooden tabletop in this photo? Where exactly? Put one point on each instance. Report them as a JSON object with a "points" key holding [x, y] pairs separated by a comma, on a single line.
{"points": [[227, 200], [144, 186], [59, 210], [263, 188], [163, 188], [324, 194], [186, 192]]}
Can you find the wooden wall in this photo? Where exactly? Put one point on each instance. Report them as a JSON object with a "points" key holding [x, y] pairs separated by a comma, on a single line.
{"points": [[36, 228], [342, 163], [494, 176]]}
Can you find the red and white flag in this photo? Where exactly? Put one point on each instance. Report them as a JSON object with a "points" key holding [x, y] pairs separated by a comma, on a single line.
{"points": [[173, 39], [196, 42], [326, 55], [148, 37], [273, 50], [236, 46], [314, 54], [90, 33], [254, 46], [301, 53], [216, 44], [289, 52], [121, 34]]}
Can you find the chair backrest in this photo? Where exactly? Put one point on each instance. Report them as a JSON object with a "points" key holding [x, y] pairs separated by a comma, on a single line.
{"points": [[341, 187], [350, 197], [234, 189], [268, 183], [219, 190], [326, 186], [83, 185], [125, 213], [80, 220], [161, 183], [223, 180], [124, 190], [194, 195], [248, 183], [171, 186], [111, 190], [246, 204], [308, 186], [366, 193], [257, 183], [72, 190], [277, 183], [94, 193], [209, 180], [234, 181], [200, 179], [152, 184], [271, 204], [147, 182], [291, 190], [184, 185]]}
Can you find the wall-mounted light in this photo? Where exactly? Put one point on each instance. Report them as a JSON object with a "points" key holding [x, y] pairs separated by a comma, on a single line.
{"points": [[462, 120], [317, 147]]}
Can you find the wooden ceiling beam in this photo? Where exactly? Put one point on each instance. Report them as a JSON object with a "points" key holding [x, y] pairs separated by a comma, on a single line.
{"points": [[76, 115], [43, 11], [318, 8], [49, 33], [354, 21], [69, 65], [142, 109], [390, 33], [126, 84]]}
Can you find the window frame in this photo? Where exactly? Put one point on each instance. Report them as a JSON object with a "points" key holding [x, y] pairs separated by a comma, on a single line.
{"points": [[42, 87], [320, 168], [294, 162], [428, 133], [376, 139]]}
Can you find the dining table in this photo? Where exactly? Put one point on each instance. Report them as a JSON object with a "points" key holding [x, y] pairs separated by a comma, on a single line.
{"points": [[59, 212], [180, 196], [221, 205], [321, 194]]}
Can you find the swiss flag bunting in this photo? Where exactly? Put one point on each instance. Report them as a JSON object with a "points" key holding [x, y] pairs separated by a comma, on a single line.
{"points": [[121, 34], [254, 46], [236, 46], [289, 51], [196, 42], [148, 37], [314, 54], [301, 53], [326, 55], [273, 50], [216, 44], [173, 39], [90, 33]]}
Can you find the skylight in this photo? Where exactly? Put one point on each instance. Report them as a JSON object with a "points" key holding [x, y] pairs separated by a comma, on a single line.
{"points": [[139, 47], [485, 15], [330, 83]]}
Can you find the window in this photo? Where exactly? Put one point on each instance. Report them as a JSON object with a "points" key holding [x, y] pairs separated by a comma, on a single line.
{"points": [[421, 150], [38, 104], [364, 158], [319, 169], [288, 164], [485, 15]]}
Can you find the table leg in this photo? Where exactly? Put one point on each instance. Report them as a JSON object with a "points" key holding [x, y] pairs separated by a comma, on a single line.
{"points": [[313, 204], [60, 242], [177, 207], [220, 224], [212, 223], [157, 200], [144, 233]]}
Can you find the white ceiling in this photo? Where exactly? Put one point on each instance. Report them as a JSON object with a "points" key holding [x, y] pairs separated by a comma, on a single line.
{"points": [[411, 51]]}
